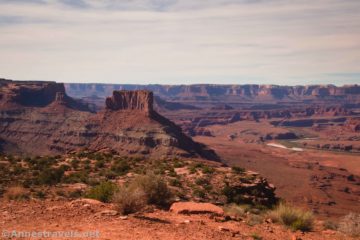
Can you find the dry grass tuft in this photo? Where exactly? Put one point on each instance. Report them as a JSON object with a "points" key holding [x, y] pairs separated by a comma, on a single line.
{"points": [[129, 200], [16, 193], [294, 218]]}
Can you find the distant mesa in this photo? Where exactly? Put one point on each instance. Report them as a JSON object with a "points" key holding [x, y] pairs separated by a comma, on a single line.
{"points": [[227, 93], [36, 94], [39, 118]]}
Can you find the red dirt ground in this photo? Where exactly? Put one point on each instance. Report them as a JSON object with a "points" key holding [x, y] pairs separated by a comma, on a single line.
{"points": [[83, 216]]}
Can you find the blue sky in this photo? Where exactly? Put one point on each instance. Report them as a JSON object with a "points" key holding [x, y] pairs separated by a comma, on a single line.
{"points": [[286, 42]]}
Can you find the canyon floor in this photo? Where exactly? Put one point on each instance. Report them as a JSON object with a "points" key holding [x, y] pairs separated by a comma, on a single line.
{"points": [[320, 180]]}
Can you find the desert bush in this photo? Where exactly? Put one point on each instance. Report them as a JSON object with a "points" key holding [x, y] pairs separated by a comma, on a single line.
{"points": [[178, 164], [237, 170], [294, 218], [208, 170], [40, 194], [129, 200], [50, 176], [330, 225], [172, 172], [100, 164], [18, 169], [77, 177], [16, 193], [75, 163], [199, 192], [234, 210], [175, 182], [202, 181], [350, 225], [155, 188], [102, 192], [120, 167], [192, 169], [234, 194], [256, 236], [75, 194], [254, 220]]}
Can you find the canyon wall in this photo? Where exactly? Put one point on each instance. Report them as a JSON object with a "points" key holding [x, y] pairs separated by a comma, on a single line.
{"points": [[206, 92], [38, 118]]}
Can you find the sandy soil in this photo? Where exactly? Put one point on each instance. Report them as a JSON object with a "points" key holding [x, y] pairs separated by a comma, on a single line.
{"points": [[82, 216]]}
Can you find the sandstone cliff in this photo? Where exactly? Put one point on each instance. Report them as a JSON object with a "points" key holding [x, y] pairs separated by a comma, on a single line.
{"points": [[131, 100], [228, 93], [39, 118]]}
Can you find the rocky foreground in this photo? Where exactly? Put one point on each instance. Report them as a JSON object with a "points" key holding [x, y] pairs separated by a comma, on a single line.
{"points": [[86, 215]]}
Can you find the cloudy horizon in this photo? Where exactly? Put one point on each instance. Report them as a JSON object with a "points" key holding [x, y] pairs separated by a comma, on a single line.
{"points": [[181, 41]]}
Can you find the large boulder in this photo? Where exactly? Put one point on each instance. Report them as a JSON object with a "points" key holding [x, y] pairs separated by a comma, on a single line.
{"points": [[196, 208]]}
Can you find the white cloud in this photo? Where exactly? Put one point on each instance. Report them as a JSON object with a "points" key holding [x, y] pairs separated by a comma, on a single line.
{"points": [[281, 42]]}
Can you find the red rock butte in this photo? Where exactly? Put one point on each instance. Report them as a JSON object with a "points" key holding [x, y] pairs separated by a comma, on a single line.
{"points": [[131, 100], [39, 118]]}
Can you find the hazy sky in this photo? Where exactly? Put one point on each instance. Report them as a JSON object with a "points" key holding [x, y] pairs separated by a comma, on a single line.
{"points": [[181, 41]]}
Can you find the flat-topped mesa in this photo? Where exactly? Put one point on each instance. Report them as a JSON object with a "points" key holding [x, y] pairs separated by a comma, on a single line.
{"points": [[30, 93], [131, 100]]}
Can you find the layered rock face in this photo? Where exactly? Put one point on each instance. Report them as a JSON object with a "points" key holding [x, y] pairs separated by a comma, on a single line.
{"points": [[31, 94], [20, 94], [59, 124], [131, 100], [353, 124], [208, 92]]}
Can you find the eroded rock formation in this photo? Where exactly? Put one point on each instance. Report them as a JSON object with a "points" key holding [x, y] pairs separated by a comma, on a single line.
{"points": [[131, 100], [39, 118], [224, 93]]}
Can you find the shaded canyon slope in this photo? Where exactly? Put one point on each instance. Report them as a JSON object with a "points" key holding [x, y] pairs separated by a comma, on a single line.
{"points": [[39, 118]]}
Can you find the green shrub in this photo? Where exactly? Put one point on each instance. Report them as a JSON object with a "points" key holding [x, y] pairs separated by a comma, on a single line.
{"points": [[350, 225], [75, 163], [129, 200], [120, 167], [18, 169], [330, 225], [199, 193], [255, 236], [40, 194], [77, 177], [175, 182], [208, 170], [50, 176], [233, 194], [192, 169], [238, 170], [75, 194], [178, 164], [102, 192], [294, 218], [154, 187], [234, 210], [100, 164], [202, 181], [172, 173]]}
